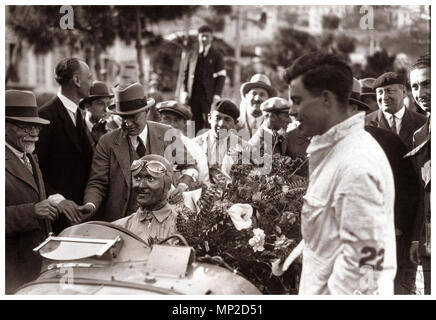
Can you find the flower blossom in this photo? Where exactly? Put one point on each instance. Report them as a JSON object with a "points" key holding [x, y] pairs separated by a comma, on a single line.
{"points": [[241, 213], [258, 240]]}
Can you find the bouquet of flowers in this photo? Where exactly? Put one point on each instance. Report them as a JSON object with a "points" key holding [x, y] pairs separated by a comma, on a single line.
{"points": [[250, 222]]}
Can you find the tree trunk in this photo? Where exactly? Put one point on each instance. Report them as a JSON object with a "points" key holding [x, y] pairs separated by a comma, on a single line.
{"points": [[182, 64], [97, 53], [139, 47]]}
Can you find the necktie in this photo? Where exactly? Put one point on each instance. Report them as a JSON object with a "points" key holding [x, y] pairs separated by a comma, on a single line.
{"points": [[27, 162], [79, 123], [394, 124], [140, 149]]}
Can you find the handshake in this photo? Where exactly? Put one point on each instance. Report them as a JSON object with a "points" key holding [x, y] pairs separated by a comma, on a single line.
{"points": [[73, 212]]}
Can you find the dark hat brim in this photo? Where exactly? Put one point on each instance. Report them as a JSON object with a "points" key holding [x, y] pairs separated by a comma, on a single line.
{"points": [[360, 104], [250, 85], [30, 120], [92, 98], [112, 108]]}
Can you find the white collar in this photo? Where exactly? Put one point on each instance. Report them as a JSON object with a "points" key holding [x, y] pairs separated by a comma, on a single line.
{"points": [[70, 105], [17, 152], [142, 135], [337, 133], [252, 120], [398, 115], [205, 49]]}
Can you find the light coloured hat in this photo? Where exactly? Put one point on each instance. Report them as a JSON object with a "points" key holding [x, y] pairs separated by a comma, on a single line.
{"points": [[21, 106], [258, 81], [275, 104], [355, 95], [130, 100]]}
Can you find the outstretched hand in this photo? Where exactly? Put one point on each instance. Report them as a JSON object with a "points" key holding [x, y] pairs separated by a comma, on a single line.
{"points": [[71, 210], [45, 210], [87, 211]]}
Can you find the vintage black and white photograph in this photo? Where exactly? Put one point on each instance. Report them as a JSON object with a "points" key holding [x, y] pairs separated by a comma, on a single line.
{"points": [[237, 150]]}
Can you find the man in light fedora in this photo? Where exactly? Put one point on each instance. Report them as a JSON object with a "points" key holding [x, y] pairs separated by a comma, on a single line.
{"points": [[109, 195], [64, 150], [254, 93], [28, 212]]}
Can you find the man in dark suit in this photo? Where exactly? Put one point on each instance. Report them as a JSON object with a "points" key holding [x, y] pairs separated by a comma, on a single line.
{"points": [[393, 115], [109, 195], [96, 119], [204, 78], [28, 212], [271, 137], [63, 149], [420, 250]]}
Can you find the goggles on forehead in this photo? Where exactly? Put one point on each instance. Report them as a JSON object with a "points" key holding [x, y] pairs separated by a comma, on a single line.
{"points": [[154, 168]]}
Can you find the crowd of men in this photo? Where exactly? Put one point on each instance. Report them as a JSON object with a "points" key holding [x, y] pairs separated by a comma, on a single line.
{"points": [[92, 153]]}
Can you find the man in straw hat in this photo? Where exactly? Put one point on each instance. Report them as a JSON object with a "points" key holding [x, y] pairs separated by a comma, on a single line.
{"points": [[109, 195], [64, 150], [28, 212], [254, 93], [96, 118]]}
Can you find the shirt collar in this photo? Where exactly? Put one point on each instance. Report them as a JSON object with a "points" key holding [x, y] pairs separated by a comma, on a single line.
{"points": [[160, 215], [254, 121], [70, 105], [337, 133], [17, 152], [398, 115], [142, 135], [205, 49]]}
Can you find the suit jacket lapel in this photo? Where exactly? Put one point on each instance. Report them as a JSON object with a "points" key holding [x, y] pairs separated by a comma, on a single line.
{"points": [[18, 169], [407, 125], [70, 129], [122, 153], [38, 177], [155, 140], [382, 122]]}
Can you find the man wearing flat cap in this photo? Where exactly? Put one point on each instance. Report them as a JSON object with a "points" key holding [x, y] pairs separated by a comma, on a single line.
{"points": [[64, 150], [204, 78], [176, 115], [392, 114], [96, 118], [271, 136], [219, 142], [254, 93], [28, 212], [109, 195], [152, 177]]}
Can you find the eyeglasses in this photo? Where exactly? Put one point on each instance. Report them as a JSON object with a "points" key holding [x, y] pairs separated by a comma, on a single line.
{"points": [[154, 168], [27, 127]]}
